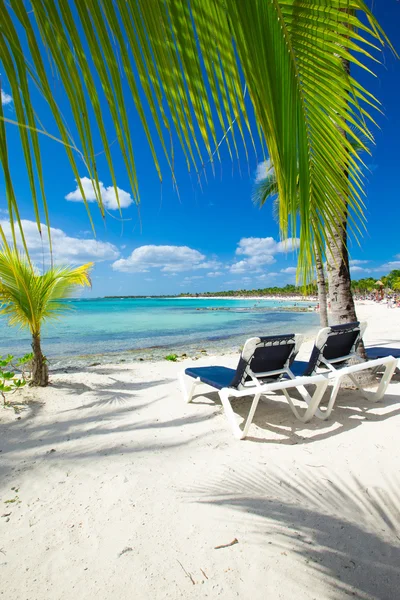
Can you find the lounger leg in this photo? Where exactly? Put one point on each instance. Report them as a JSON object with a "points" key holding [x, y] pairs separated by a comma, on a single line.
{"points": [[188, 391], [386, 378], [250, 416], [313, 402], [308, 399], [355, 382], [332, 398], [383, 384], [237, 432], [364, 393]]}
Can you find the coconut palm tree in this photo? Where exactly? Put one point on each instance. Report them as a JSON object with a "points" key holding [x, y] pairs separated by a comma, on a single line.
{"points": [[191, 69], [29, 298], [266, 187]]}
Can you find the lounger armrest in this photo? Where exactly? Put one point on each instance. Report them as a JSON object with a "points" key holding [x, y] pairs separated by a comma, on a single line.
{"points": [[279, 385], [368, 364]]}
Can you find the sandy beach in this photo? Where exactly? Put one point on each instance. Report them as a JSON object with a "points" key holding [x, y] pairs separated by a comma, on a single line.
{"points": [[112, 488]]}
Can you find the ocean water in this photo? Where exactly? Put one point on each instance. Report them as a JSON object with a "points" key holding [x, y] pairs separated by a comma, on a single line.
{"points": [[150, 327]]}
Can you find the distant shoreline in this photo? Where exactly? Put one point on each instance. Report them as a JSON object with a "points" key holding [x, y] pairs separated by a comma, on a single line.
{"points": [[278, 298], [257, 298]]}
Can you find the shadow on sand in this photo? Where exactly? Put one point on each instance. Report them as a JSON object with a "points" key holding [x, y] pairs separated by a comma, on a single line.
{"points": [[346, 535], [116, 409]]}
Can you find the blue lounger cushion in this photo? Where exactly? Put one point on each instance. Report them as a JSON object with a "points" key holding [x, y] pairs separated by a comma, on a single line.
{"points": [[298, 367], [217, 377], [381, 351]]}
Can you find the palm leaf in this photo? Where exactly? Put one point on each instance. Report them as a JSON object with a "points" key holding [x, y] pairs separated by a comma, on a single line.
{"points": [[193, 61]]}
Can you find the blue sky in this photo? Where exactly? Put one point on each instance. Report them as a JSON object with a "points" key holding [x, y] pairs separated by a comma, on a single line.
{"points": [[209, 237]]}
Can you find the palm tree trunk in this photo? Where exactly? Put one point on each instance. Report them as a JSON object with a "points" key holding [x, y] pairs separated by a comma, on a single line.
{"points": [[40, 371], [321, 285], [342, 303], [343, 309]]}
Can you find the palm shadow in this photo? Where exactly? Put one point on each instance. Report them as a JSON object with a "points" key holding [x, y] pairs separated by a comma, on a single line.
{"points": [[116, 392], [344, 535], [80, 435]]}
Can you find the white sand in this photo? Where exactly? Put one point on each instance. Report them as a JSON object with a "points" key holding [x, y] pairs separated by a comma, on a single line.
{"points": [[124, 492]]}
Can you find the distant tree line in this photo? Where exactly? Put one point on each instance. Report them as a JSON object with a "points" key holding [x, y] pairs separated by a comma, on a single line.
{"points": [[367, 284], [288, 290]]}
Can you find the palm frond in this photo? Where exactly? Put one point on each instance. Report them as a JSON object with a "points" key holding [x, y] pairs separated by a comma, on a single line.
{"points": [[265, 185], [183, 67]]}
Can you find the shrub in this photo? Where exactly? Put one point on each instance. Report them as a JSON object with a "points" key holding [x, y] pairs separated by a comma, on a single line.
{"points": [[172, 357], [9, 380]]}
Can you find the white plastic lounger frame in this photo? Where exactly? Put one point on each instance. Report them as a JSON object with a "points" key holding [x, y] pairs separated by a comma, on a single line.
{"points": [[247, 383], [320, 382], [336, 375]]}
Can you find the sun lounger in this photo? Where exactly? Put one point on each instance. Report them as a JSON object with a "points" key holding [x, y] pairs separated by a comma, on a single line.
{"points": [[264, 367], [334, 351]]}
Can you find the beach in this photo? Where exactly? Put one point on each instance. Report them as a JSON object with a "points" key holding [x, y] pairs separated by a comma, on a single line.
{"points": [[112, 487]]}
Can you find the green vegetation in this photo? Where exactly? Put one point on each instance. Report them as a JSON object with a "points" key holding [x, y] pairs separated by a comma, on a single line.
{"points": [[29, 298], [196, 61], [288, 290], [369, 284], [9, 381], [171, 357], [13, 500]]}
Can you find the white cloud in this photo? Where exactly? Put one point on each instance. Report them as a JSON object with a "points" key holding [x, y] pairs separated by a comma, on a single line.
{"points": [[5, 98], [289, 245], [355, 262], [266, 246], [66, 249], [108, 195], [214, 274], [357, 269], [260, 252], [209, 264], [289, 270], [193, 277], [265, 276], [170, 259], [389, 266], [263, 169], [252, 264]]}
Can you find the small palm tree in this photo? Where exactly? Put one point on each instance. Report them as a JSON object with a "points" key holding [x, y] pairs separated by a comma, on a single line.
{"points": [[29, 298]]}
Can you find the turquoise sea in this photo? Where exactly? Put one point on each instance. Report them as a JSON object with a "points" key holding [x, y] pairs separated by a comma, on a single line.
{"points": [[152, 327]]}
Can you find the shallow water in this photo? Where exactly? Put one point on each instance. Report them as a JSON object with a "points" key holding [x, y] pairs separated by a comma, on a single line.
{"points": [[151, 327]]}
